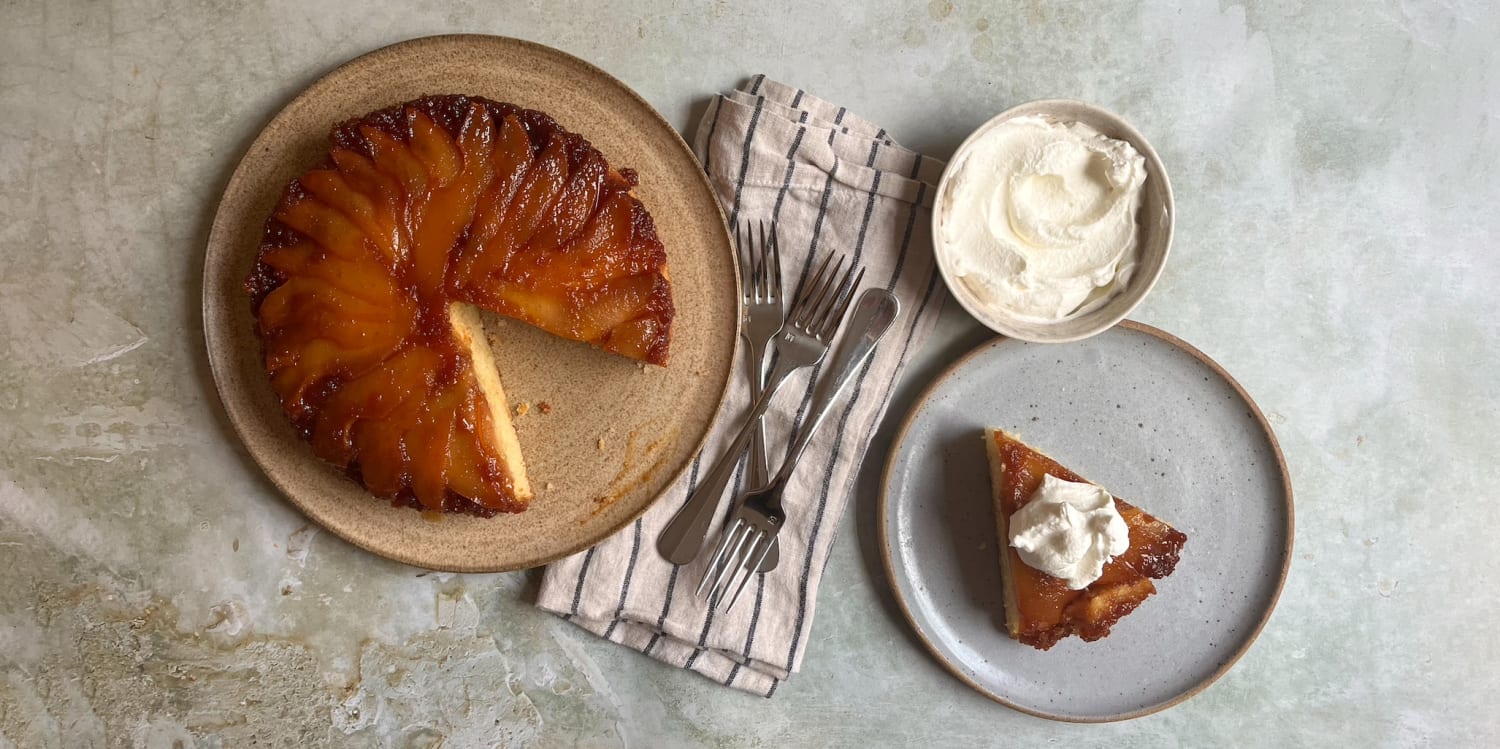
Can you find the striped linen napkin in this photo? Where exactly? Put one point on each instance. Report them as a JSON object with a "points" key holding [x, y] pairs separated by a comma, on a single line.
{"points": [[828, 182]]}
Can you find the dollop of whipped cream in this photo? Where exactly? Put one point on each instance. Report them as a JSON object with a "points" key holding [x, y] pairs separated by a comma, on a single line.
{"points": [[1039, 219], [1069, 530]]}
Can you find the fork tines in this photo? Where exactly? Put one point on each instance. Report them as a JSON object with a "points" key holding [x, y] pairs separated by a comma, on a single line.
{"points": [[760, 262], [822, 304], [740, 562]]}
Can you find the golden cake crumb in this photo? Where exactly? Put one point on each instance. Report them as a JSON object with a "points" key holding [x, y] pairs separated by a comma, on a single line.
{"points": [[522, 408]]}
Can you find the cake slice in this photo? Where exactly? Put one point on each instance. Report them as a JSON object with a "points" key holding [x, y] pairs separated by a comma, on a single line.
{"points": [[1040, 609]]}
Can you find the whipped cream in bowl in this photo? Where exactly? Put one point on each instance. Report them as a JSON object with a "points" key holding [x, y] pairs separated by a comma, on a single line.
{"points": [[1052, 221]]}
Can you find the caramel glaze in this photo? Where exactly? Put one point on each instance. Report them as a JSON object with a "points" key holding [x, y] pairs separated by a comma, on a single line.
{"points": [[1049, 611], [444, 200]]}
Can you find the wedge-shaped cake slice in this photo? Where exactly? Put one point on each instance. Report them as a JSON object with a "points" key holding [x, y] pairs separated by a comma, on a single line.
{"points": [[1041, 609]]}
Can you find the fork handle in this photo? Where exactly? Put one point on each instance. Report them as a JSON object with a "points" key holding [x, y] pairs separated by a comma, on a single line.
{"points": [[872, 317], [758, 471], [684, 535]]}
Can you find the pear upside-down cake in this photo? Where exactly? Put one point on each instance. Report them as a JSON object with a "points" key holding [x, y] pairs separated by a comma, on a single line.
{"points": [[1041, 610], [373, 263]]}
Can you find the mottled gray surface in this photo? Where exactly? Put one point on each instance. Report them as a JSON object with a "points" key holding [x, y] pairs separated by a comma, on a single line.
{"points": [[1334, 165]]}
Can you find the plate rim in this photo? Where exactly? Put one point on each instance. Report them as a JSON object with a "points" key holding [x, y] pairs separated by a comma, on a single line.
{"points": [[884, 519], [214, 238]]}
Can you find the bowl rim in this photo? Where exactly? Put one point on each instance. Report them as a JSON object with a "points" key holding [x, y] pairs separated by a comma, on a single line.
{"points": [[1140, 285]]}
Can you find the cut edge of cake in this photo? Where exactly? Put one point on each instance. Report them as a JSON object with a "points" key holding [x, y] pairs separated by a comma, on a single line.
{"points": [[1002, 526], [468, 331]]}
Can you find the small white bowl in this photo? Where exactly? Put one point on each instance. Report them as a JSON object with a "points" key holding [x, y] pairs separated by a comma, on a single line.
{"points": [[1154, 222]]}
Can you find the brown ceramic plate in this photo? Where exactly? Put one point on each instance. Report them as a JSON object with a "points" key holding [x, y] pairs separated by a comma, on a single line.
{"points": [[618, 432]]}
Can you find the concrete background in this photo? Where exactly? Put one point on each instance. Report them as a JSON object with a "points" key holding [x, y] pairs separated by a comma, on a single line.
{"points": [[1335, 170]]}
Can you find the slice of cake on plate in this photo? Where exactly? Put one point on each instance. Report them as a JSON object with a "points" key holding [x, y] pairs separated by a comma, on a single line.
{"points": [[1073, 558]]}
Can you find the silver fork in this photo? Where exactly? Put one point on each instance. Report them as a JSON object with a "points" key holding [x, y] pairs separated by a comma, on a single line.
{"points": [[760, 266], [802, 342], [750, 533]]}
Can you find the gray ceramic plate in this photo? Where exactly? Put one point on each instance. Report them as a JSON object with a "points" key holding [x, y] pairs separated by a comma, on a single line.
{"points": [[1154, 421]]}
